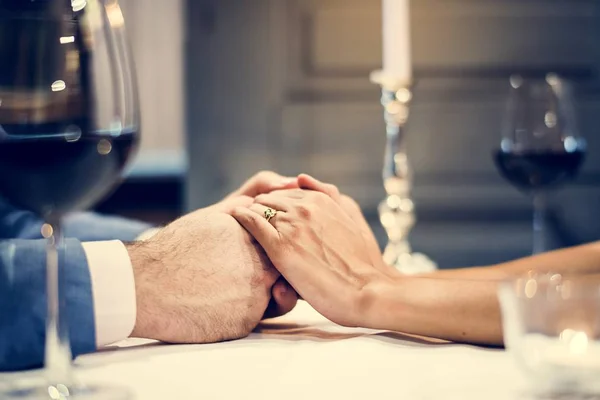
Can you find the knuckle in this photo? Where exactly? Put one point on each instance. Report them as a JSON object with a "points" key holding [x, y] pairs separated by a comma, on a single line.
{"points": [[251, 216], [297, 193], [333, 190], [305, 211], [320, 198], [261, 198], [254, 218], [293, 232]]}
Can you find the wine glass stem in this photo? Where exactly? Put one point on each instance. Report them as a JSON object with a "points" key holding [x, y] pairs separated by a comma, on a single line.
{"points": [[58, 351], [539, 221]]}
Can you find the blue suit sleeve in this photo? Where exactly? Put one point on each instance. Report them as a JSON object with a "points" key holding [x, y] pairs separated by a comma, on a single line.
{"points": [[23, 301], [91, 227], [86, 227]]}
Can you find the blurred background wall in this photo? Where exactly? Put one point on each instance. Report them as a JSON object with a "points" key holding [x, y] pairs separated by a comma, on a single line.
{"points": [[230, 87], [154, 187]]}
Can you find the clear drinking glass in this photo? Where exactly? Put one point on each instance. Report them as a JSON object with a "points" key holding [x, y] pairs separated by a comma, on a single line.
{"points": [[69, 122], [551, 326], [541, 146]]}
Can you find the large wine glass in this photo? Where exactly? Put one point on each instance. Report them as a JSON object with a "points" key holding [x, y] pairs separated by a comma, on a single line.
{"points": [[69, 122], [541, 146]]}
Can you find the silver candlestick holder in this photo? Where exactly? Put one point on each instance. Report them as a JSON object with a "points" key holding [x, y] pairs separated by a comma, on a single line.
{"points": [[397, 211]]}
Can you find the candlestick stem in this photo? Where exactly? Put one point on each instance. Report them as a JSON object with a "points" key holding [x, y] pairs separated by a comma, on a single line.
{"points": [[396, 211]]}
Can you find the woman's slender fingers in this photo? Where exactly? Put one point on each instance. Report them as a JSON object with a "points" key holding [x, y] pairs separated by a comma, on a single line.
{"points": [[264, 182], [258, 226], [310, 183], [269, 214], [276, 201]]}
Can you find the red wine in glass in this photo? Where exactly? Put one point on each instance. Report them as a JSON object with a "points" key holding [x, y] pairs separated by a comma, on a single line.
{"points": [[541, 147], [57, 175], [534, 171]]}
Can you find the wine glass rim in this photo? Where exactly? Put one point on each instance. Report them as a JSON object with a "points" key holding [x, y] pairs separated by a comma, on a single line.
{"points": [[521, 286], [553, 276]]}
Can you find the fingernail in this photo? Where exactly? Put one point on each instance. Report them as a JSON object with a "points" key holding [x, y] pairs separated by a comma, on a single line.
{"points": [[287, 181], [307, 176]]}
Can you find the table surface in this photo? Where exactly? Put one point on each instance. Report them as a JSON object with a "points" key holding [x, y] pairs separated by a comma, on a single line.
{"points": [[305, 356]]}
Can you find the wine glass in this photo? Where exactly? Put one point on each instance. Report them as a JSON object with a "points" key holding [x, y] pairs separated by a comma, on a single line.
{"points": [[69, 122], [541, 147], [551, 325]]}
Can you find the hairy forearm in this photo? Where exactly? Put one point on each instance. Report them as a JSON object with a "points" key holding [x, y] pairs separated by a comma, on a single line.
{"points": [[455, 310], [580, 259]]}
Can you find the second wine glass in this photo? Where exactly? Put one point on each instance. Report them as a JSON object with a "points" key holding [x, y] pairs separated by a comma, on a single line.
{"points": [[541, 146]]}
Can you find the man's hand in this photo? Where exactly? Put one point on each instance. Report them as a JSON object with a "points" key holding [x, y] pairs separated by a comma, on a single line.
{"points": [[283, 296], [201, 279]]}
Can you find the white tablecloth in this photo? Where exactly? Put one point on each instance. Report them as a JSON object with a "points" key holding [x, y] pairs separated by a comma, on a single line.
{"points": [[304, 356]]}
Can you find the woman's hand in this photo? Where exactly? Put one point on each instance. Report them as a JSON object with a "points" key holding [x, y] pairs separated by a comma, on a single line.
{"points": [[353, 210], [320, 251]]}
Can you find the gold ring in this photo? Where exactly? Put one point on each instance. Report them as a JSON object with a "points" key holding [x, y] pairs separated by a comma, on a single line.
{"points": [[269, 214]]}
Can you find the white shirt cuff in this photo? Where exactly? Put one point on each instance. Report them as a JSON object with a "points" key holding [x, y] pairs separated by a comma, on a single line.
{"points": [[113, 290]]}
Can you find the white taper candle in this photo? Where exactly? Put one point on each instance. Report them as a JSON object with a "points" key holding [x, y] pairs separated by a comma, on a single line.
{"points": [[397, 61]]}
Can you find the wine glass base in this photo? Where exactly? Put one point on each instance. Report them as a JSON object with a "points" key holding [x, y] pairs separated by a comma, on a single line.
{"points": [[92, 392]]}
